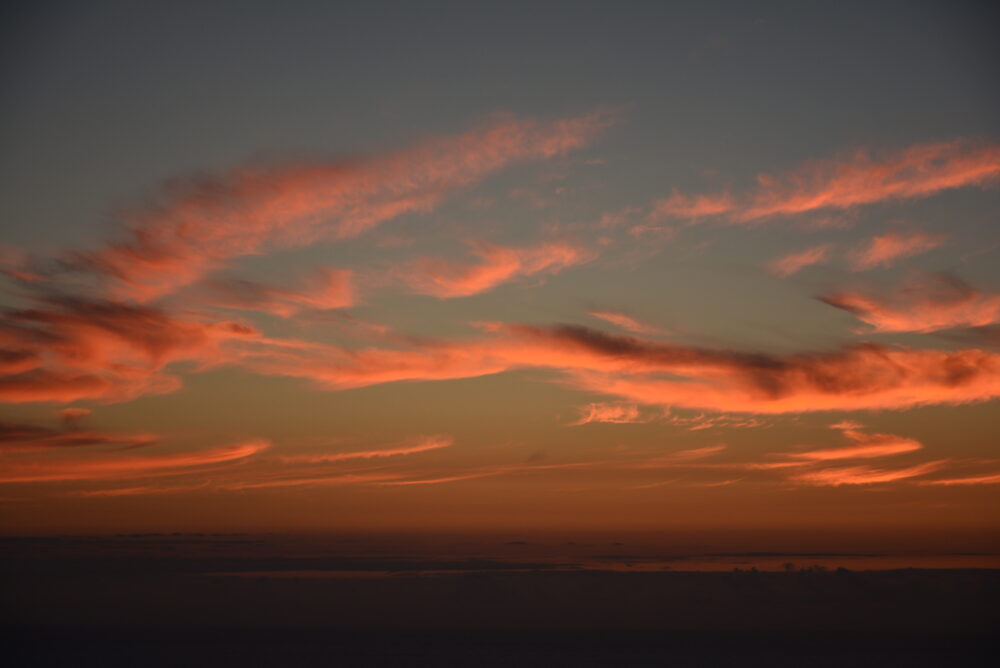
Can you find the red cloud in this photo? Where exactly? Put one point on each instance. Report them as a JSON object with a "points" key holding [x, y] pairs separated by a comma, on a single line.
{"points": [[199, 225], [883, 251], [498, 264], [927, 304], [795, 262]]}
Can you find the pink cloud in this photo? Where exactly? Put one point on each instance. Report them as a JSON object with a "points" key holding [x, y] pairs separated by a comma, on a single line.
{"points": [[794, 262], [447, 279], [198, 225], [852, 180], [885, 250], [626, 322], [679, 205], [862, 377], [928, 303], [75, 348], [325, 289]]}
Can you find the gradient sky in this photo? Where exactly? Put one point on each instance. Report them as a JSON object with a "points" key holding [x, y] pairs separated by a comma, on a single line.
{"points": [[585, 265]]}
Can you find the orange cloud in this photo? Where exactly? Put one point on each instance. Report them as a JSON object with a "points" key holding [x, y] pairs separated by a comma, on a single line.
{"points": [[865, 446], [853, 180], [794, 262], [883, 251], [76, 348], [679, 458], [418, 445], [992, 479], [72, 416], [626, 322], [21, 437], [679, 205], [446, 279], [928, 304], [200, 224], [124, 466], [864, 475], [340, 479], [614, 413], [861, 377], [326, 289]]}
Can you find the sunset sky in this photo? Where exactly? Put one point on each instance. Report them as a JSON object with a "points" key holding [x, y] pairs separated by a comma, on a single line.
{"points": [[467, 266]]}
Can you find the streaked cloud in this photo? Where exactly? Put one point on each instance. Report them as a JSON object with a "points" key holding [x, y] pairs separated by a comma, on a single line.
{"points": [[424, 444], [864, 446], [796, 261], [325, 289], [864, 475], [607, 412], [925, 303], [497, 265], [884, 250], [626, 322], [199, 224], [991, 479], [854, 179], [124, 466]]}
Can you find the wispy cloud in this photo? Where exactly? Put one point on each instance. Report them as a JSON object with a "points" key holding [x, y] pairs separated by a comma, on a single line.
{"points": [[199, 224], [413, 446], [25, 437], [855, 179], [885, 250], [864, 446], [925, 303], [626, 322], [796, 261], [497, 265], [607, 412], [122, 466], [991, 479], [864, 475], [72, 348], [325, 289], [862, 377]]}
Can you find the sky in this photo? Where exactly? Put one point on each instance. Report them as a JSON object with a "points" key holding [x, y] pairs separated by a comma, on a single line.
{"points": [[491, 266]]}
